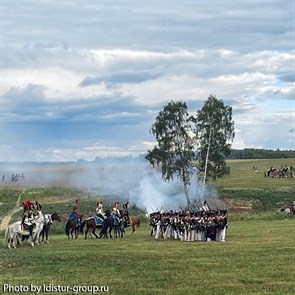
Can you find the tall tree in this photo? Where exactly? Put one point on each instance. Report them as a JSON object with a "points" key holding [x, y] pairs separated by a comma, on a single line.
{"points": [[215, 131], [174, 151]]}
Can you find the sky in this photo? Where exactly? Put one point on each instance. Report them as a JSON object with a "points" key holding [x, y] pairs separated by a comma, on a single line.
{"points": [[86, 79]]}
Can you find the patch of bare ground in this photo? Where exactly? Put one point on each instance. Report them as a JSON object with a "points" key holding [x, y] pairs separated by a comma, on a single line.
{"points": [[6, 219], [239, 205]]}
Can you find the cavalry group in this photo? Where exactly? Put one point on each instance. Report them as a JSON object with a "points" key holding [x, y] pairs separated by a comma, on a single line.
{"points": [[189, 225], [107, 220], [282, 172], [101, 215], [32, 225]]}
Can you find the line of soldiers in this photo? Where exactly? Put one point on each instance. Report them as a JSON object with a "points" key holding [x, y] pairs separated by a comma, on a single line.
{"points": [[189, 226]]}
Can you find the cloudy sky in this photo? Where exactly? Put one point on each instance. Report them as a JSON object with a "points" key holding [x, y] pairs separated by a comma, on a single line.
{"points": [[81, 79]]}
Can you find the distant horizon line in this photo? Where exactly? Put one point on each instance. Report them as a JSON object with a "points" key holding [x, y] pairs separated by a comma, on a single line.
{"points": [[110, 159]]}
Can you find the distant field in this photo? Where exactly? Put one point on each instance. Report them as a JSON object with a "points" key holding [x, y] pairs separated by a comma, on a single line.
{"points": [[57, 185], [92, 175], [243, 177]]}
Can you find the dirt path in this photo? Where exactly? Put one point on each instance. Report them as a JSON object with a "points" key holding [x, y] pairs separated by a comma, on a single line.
{"points": [[6, 219]]}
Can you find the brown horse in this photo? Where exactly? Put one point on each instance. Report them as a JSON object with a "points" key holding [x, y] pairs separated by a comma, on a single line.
{"points": [[73, 225], [131, 221], [90, 226], [46, 226]]}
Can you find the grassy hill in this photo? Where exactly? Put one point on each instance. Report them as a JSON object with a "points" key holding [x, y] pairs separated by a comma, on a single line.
{"points": [[242, 175], [262, 195]]}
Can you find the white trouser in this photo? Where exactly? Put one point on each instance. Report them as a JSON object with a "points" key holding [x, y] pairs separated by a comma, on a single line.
{"points": [[158, 231], [167, 233], [182, 236], [223, 234], [218, 234]]}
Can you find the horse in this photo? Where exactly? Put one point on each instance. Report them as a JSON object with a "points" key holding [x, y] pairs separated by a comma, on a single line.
{"points": [[289, 210], [90, 225], [46, 226], [130, 221], [118, 227], [108, 225], [14, 231], [73, 226]]}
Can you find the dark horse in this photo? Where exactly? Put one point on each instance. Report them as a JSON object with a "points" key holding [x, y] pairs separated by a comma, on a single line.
{"points": [[90, 226], [46, 227], [106, 227], [110, 224], [73, 226]]}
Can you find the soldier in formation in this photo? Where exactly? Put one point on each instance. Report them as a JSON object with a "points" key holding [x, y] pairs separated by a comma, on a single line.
{"points": [[189, 226]]}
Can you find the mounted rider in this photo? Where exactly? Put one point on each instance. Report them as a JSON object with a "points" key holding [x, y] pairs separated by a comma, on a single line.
{"points": [[75, 214], [99, 210], [28, 221], [116, 213], [37, 206], [116, 210], [126, 214], [27, 205]]}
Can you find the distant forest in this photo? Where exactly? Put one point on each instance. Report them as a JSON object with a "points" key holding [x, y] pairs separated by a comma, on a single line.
{"points": [[261, 154], [235, 154]]}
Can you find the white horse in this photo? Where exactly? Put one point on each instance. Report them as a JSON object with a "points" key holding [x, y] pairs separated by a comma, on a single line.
{"points": [[14, 231], [41, 220], [287, 210]]}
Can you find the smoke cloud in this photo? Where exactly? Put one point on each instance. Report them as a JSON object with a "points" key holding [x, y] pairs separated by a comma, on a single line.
{"points": [[137, 182]]}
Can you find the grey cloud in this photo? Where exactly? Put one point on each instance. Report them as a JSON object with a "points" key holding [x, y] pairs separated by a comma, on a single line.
{"points": [[129, 25], [31, 92], [30, 101], [242, 107], [287, 77], [120, 77], [24, 103]]}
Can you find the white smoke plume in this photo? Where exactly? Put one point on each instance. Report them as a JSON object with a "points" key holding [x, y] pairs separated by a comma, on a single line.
{"points": [[139, 183]]}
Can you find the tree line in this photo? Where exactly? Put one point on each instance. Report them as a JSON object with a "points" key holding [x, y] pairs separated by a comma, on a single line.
{"points": [[251, 153]]}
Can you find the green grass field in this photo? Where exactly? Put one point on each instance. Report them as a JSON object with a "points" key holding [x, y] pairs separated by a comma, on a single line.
{"points": [[242, 175], [257, 258]]}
